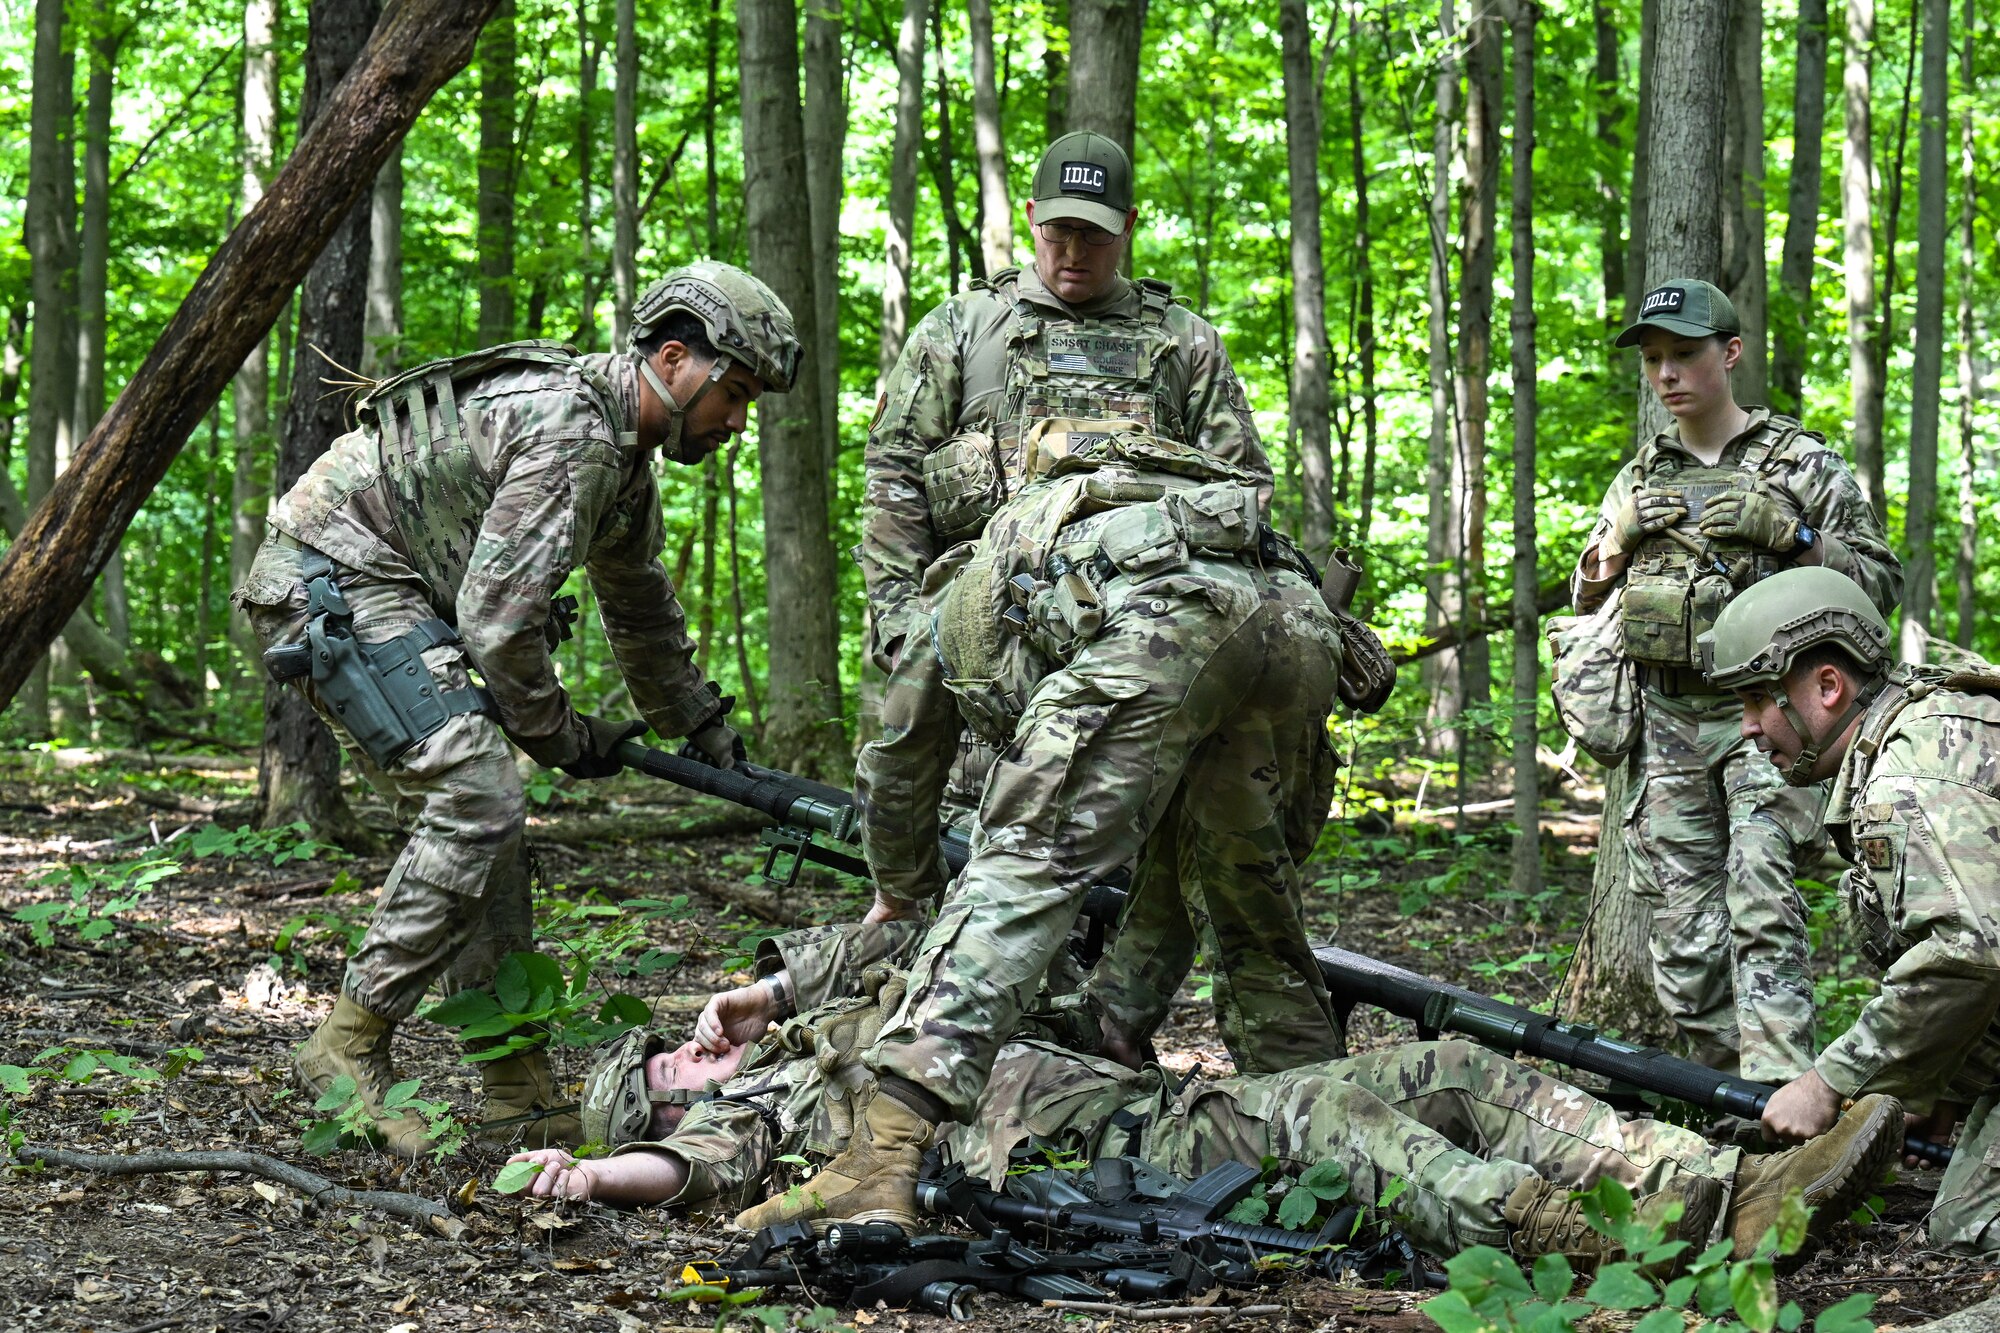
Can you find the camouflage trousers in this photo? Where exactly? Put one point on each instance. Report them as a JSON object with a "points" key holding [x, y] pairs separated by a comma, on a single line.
{"points": [[457, 901], [1966, 1217], [1715, 837], [1192, 726], [1462, 1125]]}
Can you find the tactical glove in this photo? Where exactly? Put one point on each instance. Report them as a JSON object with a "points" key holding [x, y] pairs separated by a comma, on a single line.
{"points": [[715, 742], [1645, 512], [600, 737], [1752, 518]]}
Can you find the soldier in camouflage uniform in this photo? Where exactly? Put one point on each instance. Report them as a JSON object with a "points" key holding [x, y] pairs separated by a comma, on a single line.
{"points": [[1067, 337], [1725, 497], [430, 544], [1490, 1148], [1914, 755]]}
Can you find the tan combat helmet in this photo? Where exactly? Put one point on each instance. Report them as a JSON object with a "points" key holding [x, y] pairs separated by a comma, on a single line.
{"points": [[617, 1105], [1765, 628], [745, 322]]}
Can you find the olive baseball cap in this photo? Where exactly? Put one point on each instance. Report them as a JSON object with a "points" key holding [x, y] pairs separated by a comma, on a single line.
{"points": [[1084, 177], [1687, 306]]}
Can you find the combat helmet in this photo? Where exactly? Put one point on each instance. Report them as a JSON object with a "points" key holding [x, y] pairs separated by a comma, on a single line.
{"points": [[617, 1105], [1764, 629], [745, 321]]}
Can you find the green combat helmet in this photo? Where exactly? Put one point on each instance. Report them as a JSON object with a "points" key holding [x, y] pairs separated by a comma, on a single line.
{"points": [[1763, 629], [745, 322]]}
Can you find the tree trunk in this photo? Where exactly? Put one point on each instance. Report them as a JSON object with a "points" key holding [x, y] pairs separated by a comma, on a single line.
{"points": [[1794, 312], [1364, 320], [826, 143], [1310, 406], [1608, 91], [996, 217], [1527, 876], [1466, 581], [498, 112], [1104, 41], [50, 224], [909, 132], [1441, 671], [1927, 369], [711, 537], [67, 539], [382, 331], [588, 52], [711, 179], [1055, 69], [1968, 369], [803, 698], [625, 174], [959, 240], [1857, 171], [251, 388], [204, 613], [1612, 969], [299, 777], [1642, 170], [93, 277], [1743, 268]]}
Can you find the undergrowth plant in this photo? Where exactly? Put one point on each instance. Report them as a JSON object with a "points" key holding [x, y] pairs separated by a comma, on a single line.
{"points": [[1490, 1294], [77, 1066], [346, 1120], [98, 896]]}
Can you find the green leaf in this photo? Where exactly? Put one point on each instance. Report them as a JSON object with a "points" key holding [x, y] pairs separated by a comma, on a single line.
{"points": [[14, 1081], [1622, 1286], [1393, 1192], [1678, 1292], [1848, 1316], [402, 1095], [1753, 1290], [1554, 1276], [80, 1067], [1790, 1316], [1255, 1210], [1327, 1180], [1452, 1313], [1791, 1228], [1712, 1295], [322, 1138], [627, 1010], [1297, 1208], [338, 1094], [516, 1176], [466, 1007], [1661, 1321]]}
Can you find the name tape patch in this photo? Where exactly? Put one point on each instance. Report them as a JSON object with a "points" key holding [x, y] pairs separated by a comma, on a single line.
{"points": [[1093, 354], [1085, 176], [1663, 300]]}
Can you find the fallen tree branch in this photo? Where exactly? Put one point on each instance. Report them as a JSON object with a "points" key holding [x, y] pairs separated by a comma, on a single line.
{"points": [[1552, 598], [635, 827], [1166, 1311], [318, 1188]]}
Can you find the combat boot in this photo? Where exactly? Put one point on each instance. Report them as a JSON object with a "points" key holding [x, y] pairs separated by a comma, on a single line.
{"points": [[873, 1180], [354, 1042], [1545, 1220], [1834, 1172], [521, 1085]]}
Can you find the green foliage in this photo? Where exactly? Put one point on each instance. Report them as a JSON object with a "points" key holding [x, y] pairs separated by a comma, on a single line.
{"points": [[289, 842], [1489, 1294], [98, 895], [533, 1001], [78, 1066], [346, 1122]]}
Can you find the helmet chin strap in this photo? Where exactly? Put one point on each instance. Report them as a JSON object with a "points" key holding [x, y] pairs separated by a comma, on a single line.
{"points": [[677, 411], [1799, 773]]}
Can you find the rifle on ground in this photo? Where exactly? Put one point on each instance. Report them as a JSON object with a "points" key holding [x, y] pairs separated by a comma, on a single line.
{"points": [[1436, 1006]]}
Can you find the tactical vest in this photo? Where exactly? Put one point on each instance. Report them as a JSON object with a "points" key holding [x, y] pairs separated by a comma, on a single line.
{"points": [[1678, 579], [1096, 505], [438, 485], [1088, 369]]}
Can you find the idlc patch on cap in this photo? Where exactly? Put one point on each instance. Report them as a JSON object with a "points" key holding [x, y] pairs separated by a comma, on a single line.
{"points": [[1085, 176], [1663, 300]]}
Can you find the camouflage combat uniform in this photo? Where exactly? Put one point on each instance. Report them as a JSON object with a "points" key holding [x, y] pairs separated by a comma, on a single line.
{"points": [[1462, 1125], [546, 474], [1168, 690], [1715, 835], [1914, 807]]}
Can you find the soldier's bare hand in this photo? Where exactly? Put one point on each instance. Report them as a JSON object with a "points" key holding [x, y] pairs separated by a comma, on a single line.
{"points": [[1937, 1127], [735, 1017], [892, 909], [1805, 1108], [561, 1176]]}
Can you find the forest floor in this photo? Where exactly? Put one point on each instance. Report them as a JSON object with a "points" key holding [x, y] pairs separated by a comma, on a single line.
{"points": [[237, 954]]}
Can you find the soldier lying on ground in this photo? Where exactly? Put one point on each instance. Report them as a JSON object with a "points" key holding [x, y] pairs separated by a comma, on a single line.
{"points": [[1489, 1147], [1914, 755]]}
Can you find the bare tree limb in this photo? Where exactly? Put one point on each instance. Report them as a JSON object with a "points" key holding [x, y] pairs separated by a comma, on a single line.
{"points": [[410, 1207]]}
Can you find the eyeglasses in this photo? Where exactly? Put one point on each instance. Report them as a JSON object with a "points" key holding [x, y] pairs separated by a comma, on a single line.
{"points": [[1062, 233]]}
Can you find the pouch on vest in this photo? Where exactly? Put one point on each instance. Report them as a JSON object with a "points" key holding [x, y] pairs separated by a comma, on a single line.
{"points": [[1222, 518], [1142, 541], [964, 484], [1593, 681]]}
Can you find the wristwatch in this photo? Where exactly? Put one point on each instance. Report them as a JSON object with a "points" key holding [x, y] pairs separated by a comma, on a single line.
{"points": [[1805, 541]]}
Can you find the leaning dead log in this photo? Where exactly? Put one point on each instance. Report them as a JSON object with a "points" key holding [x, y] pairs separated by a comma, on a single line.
{"points": [[48, 571], [318, 1188]]}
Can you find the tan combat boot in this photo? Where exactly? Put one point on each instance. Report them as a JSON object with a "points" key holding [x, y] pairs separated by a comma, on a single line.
{"points": [[1834, 1172], [518, 1085], [1545, 1220], [873, 1180], [355, 1042]]}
